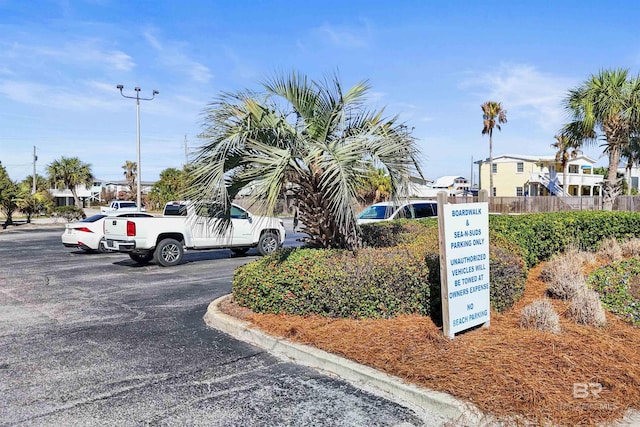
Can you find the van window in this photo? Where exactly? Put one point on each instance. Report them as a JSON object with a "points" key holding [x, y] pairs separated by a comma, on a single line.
{"points": [[425, 210], [376, 212]]}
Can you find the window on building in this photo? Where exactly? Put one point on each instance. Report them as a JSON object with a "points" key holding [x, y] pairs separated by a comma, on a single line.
{"points": [[519, 191], [520, 167], [574, 168], [494, 168]]}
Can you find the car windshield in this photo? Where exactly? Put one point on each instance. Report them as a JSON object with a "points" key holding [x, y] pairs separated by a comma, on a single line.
{"points": [[93, 218], [127, 205], [376, 212]]}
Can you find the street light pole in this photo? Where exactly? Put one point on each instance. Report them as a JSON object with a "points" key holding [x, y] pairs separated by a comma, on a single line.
{"points": [[138, 166]]}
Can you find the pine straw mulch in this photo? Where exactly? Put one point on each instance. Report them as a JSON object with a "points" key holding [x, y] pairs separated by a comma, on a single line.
{"points": [[504, 370]]}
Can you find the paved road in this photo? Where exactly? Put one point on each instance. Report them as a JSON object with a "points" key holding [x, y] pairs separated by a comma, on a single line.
{"points": [[93, 339]]}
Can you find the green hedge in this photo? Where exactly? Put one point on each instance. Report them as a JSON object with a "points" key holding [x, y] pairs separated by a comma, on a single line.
{"points": [[542, 235], [70, 213], [398, 272], [372, 282]]}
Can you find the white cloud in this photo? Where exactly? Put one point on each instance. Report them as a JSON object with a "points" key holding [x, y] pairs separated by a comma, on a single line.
{"points": [[524, 92], [350, 37], [83, 53], [172, 55]]}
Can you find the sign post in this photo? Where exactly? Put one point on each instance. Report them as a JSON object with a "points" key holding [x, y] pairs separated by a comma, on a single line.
{"points": [[464, 264]]}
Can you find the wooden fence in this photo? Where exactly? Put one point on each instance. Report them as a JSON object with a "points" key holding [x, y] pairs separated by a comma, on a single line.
{"points": [[529, 204]]}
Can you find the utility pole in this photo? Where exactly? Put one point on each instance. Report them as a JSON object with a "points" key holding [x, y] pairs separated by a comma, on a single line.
{"points": [[138, 98], [35, 158], [186, 151]]}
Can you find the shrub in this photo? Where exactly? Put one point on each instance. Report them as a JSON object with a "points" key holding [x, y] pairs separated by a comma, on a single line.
{"points": [[375, 283], [564, 275], [70, 213], [381, 234], [540, 315], [631, 247], [369, 283], [508, 275], [610, 250], [618, 287], [585, 308], [384, 234]]}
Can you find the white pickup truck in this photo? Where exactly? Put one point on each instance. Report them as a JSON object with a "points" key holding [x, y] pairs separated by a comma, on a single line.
{"points": [[120, 206], [189, 226]]}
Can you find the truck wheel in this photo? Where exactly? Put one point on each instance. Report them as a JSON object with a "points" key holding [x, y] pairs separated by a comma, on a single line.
{"points": [[102, 246], [268, 243], [142, 258], [169, 252], [239, 251]]}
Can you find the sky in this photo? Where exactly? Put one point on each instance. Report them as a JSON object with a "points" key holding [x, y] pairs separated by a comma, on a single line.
{"points": [[430, 63]]}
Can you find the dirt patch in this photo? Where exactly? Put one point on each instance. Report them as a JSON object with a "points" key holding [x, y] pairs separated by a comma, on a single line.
{"points": [[582, 376]]}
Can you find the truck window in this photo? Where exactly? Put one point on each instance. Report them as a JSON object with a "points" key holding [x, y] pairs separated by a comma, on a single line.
{"points": [[175, 210], [238, 213]]}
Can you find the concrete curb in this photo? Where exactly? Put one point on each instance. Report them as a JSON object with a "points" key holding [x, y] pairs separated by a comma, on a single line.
{"points": [[419, 399]]}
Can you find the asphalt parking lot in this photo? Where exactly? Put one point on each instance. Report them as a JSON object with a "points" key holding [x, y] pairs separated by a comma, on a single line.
{"points": [[94, 339]]}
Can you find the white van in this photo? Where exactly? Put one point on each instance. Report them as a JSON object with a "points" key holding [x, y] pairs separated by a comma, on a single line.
{"points": [[388, 211]]}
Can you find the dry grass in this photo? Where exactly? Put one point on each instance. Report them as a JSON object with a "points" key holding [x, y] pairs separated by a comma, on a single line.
{"points": [[540, 315], [585, 308], [503, 370], [610, 250], [631, 247]]}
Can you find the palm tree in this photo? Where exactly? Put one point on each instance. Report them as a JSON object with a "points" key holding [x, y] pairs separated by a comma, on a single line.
{"points": [[631, 152], [375, 186], [70, 172], [312, 135], [131, 174], [609, 103], [492, 115], [566, 149]]}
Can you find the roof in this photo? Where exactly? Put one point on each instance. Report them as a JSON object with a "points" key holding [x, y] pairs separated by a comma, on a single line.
{"points": [[447, 180], [534, 158]]}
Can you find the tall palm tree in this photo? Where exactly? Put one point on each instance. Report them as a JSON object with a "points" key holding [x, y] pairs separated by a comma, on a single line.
{"points": [[493, 116], [70, 172], [313, 135], [566, 149], [608, 103], [131, 175], [631, 152]]}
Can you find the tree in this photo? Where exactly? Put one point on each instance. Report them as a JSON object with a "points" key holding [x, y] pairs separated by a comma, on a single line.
{"points": [[493, 116], [375, 186], [608, 103], [131, 175], [42, 183], [33, 203], [172, 185], [310, 136], [8, 196], [566, 149], [631, 152], [70, 172]]}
